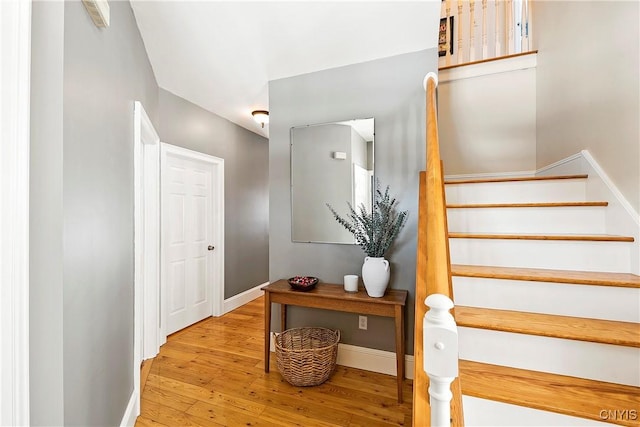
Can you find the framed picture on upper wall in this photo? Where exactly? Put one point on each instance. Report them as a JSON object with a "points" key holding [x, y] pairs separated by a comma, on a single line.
{"points": [[445, 37]]}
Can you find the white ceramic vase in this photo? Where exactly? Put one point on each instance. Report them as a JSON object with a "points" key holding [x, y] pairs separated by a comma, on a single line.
{"points": [[375, 275]]}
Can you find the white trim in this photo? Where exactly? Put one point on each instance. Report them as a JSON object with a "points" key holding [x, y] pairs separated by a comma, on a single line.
{"points": [[15, 51], [505, 65], [569, 159], [369, 359], [218, 227], [242, 298], [489, 175], [374, 360], [611, 186], [146, 160], [190, 154], [132, 412]]}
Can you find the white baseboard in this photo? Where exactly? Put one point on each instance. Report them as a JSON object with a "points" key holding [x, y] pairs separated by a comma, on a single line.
{"points": [[369, 359], [131, 413], [554, 167], [611, 186], [242, 298]]}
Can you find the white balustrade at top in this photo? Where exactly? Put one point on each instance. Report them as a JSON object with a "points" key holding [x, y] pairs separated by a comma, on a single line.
{"points": [[476, 30]]}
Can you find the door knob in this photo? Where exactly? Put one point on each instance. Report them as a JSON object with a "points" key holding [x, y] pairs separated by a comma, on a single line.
{"points": [[210, 248]]}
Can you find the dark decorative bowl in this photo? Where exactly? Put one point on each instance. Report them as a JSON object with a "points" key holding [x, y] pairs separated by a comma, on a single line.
{"points": [[303, 283]]}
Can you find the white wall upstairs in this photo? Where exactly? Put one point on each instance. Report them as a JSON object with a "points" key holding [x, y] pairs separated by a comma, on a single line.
{"points": [[487, 117]]}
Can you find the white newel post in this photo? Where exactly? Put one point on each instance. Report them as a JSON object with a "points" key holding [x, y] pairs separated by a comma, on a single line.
{"points": [[440, 357]]}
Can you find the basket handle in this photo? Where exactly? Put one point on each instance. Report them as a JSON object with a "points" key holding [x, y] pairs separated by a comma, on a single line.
{"points": [[338, 334]]}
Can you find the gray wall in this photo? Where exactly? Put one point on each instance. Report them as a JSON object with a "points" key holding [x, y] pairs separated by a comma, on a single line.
{"points": [[390, 90], [46, 215], [105, 71], [588, 86], [246, 167], [83, 124]]}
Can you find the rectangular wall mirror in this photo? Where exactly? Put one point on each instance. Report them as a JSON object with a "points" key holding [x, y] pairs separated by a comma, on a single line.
{"points": [[330, 163]]}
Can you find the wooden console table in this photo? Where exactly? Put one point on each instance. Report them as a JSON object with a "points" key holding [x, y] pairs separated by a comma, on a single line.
{"points": [[333, 297]]}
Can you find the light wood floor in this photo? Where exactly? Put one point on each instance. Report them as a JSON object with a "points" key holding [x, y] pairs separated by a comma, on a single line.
{"points": [[212, 374]]}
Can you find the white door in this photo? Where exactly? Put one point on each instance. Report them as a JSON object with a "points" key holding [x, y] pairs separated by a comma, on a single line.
{"points": [[187, 238]]}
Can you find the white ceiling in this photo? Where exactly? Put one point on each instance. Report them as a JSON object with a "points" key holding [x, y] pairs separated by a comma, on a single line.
{"points": [[221, 55]]}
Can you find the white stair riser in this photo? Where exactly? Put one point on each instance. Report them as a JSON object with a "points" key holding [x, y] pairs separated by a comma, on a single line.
{"points": [[598, 302], [551, 254], [585, 220], [601, 362], [569, 190], [482, 412]]}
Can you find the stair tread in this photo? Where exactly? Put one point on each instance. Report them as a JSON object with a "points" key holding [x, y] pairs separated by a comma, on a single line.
{"points": [[548, 325], [547, 236], [514, 179], [527, 205], [550, 392], [625, 280]]}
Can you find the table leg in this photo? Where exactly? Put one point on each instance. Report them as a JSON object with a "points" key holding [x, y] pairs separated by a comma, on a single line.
{"points": [[267, 330], [283, 317], [399, 321]]}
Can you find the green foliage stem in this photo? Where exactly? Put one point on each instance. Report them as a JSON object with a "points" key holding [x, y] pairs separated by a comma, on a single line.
{"points": [[375, 231]]}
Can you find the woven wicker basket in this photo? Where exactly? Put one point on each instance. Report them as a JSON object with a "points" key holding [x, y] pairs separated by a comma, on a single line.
{"points": [[307, 356]]}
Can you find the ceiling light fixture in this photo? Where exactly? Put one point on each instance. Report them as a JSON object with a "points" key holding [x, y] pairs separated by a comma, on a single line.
{"points": [[260, 116]]}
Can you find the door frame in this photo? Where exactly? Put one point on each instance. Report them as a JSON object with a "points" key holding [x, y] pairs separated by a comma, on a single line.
{"points": [[15, 86], [146, 160], [217, 202]]}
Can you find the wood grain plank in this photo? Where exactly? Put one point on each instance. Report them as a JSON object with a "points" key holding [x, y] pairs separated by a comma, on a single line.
{"points": [[278, 417], [570, 237], [573, 328], [336, 292], [168, 398], [527, 205], [172, 417], [514, 179], [624, 280], [145, 368], [228, 352], [146, 422], [225, 415], [549, 392], [341, 399]]}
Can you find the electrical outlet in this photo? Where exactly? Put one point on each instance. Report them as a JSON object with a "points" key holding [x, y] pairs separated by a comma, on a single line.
{"points": [[362, 322]]}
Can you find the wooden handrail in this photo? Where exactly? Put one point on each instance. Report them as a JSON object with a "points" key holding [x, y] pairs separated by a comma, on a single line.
{"points": [[433, 267]]}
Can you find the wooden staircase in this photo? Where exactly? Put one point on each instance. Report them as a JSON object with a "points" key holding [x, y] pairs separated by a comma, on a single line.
{"points": [[548, 310]]}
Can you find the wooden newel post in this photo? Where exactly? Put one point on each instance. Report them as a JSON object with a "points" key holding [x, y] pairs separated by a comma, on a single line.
{"points": [[440, 356]]}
